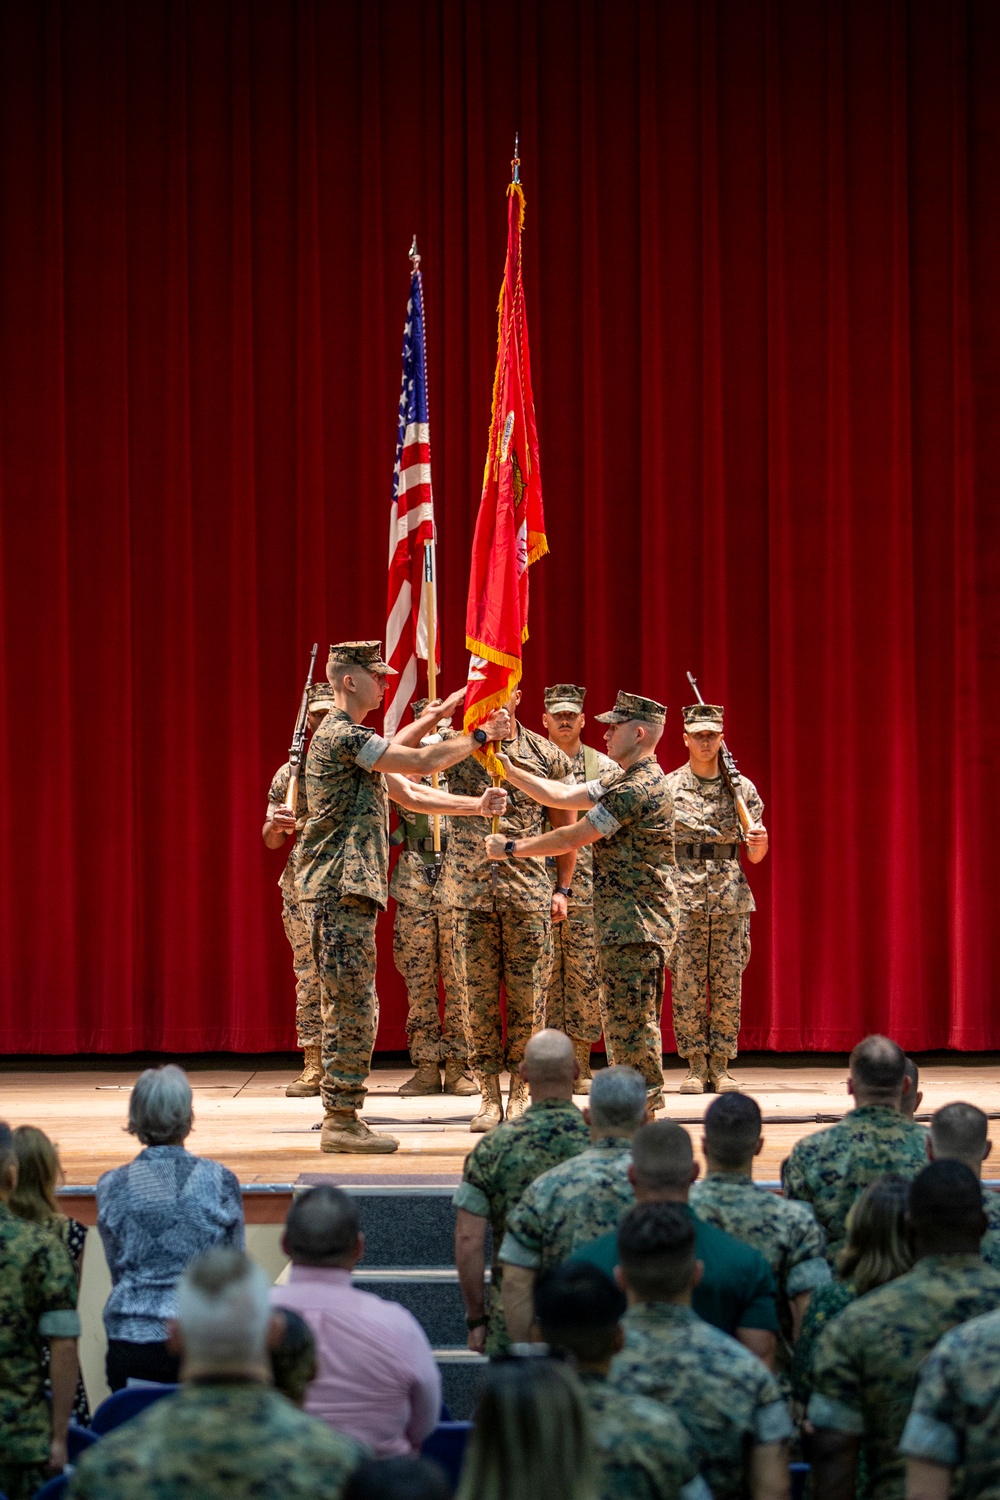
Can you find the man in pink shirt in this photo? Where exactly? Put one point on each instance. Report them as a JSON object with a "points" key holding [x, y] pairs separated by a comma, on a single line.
{"points": [[377, 1379]]}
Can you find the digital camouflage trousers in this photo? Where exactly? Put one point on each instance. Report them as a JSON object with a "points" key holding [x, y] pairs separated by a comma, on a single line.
{"points": [[298, 930], [706, 969], [512, 948], [423, 952], [343, 935], [573, 1002], [632, 975]]}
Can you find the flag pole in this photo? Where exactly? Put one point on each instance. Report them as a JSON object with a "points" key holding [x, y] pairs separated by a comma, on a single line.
{"points": [[430, 586]]}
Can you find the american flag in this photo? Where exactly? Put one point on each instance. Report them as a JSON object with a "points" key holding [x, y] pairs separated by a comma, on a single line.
{"points": [[412, 574]]}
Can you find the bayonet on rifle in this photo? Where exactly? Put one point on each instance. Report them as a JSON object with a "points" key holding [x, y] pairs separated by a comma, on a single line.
{"points": [[298, 745]]}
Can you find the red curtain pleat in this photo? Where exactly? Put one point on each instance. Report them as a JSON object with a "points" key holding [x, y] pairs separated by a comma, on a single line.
{"points": [[761, 267]]}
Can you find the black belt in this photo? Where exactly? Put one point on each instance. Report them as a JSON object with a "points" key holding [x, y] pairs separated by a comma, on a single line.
{"points": [[426, 846], [708, 851]]}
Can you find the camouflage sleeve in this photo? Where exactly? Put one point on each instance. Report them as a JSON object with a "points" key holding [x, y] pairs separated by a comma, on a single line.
{"points": [[473, 1191], [522, 1244], [795, 1178], [618, 808], [55, 1291], [807, 1265], [279, 785], [836, 1400], [933, 1429], [752, 798]]}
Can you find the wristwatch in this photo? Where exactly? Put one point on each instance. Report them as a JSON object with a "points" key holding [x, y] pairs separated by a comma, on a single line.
{"points": [[508, 848], [563, 890], [472, 1323], [480, 736]]}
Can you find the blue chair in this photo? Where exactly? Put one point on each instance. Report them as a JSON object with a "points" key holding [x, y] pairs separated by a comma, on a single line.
{"points": [[122, 1406], [446, 1446], [798, 1474], [78, 1440], [54, 1489]]}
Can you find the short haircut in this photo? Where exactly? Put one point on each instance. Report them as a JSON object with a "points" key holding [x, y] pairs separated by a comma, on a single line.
{"points": [[913, 1074], [617, 1099], [549, 1057], [656, 1249], [662, 1156], [405, 1478], [878, 1247], [293, 1357], [6, 1144], [322, 1227], [878, 1065], [732, 1129], [947, 1195], [578, 1308], [959, 1130], [160, 1106], [223, 1308]]}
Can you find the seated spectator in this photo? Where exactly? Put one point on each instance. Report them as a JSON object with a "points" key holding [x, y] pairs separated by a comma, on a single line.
{"points": [[951, 1441], [293, 1358], [499, 1169], [575, 1201], [912, 1097], [531, 1437], [154, 1216], [868, 1360], [34, 1199], [960, 1132], [877, 1251], [736, 1290], [377, 1378], [398, 1479], [724, 1397], [226, 1435], [785, 1233], [38, 1293], [830, 1167], [643, 1451]]}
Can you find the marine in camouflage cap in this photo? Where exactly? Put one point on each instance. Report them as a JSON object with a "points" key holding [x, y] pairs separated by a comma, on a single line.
{"points": [[634, 706], [564, 698], [366, 654], [321, 698], [702, 718]]}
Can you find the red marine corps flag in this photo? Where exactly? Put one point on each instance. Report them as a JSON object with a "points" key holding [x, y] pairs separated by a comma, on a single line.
{"points": [[510, 530]]}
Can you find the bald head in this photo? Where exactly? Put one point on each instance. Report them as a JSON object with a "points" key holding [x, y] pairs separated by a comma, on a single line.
{"points": [[549, 1060], [878, 1071], [323, 1229], [959, 1133], [662, 1162]]}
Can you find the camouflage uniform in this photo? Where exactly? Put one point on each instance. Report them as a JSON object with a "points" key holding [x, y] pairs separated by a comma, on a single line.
{"points": [[570, 1205], [574, 1001], [422, 946], [38, 1292], [502, 1165], [298, 920], [218, 1442], [785, 1233], [504, 937], [343, 861], [990, 1247], [714, 903], [633, 898], [830, 1167], [955, 1416], [724, 1397], [869, 1359], [643, 1451]]}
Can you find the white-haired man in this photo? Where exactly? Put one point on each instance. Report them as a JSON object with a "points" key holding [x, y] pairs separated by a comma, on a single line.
{"points": [[226, 1434]]}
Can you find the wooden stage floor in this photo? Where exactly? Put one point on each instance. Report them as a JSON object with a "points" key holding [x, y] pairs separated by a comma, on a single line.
{"points": [[243, 1119]]}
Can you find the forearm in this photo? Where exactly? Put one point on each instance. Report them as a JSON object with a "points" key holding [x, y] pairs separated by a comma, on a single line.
{"points": [[927, 1481], [759, 1341], [416, 797], [799, 1306], [424, 760], [470, 1261], [769, 1472], [557, 841], [518, 1287], [834, 1459], [274, 838], [552, 794], [565, 869], [64, 1371]]}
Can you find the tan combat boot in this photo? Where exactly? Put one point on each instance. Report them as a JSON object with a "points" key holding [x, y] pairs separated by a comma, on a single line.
{"points": [[458, 1080], [491, 1110], [518, 1097], [697, 1078], [426, 1080], [308, 1082], [343, 1131], [723, 1081], [582, 1050], [654, 1100]]}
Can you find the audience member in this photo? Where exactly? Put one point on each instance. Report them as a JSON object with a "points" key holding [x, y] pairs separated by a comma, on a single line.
{"points": [[34, 1199], [724, 1397], [154, 1216], [786, 1234], [868, 1360], [294, 1365], [951, 1441], [960, 1132], [377, 1379], [531, 1436], [877, 1251], [912, 1097], [643, 1451], [502, 1165], [736, 1290], [226, 1435], [577, 1200], [397, 1479], [38, 1293], [829, 1168]]}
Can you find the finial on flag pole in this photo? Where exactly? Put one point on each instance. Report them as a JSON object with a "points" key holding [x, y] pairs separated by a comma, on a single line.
{"points": [[415, 254], [515, 166]]}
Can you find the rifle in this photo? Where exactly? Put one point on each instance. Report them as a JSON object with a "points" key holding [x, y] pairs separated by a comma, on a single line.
{"points": [[299, 737], [730, 774]]}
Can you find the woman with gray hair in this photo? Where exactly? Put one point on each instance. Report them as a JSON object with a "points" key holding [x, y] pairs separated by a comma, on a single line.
{"points": [[155, 1215]]}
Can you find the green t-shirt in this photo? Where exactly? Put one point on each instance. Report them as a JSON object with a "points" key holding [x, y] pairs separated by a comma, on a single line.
{"points": [[737, 1289]]}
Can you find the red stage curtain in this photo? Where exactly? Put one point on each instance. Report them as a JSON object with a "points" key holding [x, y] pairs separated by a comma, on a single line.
{"points": [[761, 266]]}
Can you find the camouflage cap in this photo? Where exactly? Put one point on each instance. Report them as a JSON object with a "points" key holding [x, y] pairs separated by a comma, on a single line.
{"points": [[418, 705], [320, 697], [564, 698], [367, 654], [632, 706], [702, 718]]}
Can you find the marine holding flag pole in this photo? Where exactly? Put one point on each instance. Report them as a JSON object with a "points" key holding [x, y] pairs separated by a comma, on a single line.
{"points": [[510, 528]]}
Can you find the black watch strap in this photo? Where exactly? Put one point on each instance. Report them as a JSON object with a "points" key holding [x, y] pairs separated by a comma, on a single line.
{"points": [[564, 890], [479, 735], [508, 848]]}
